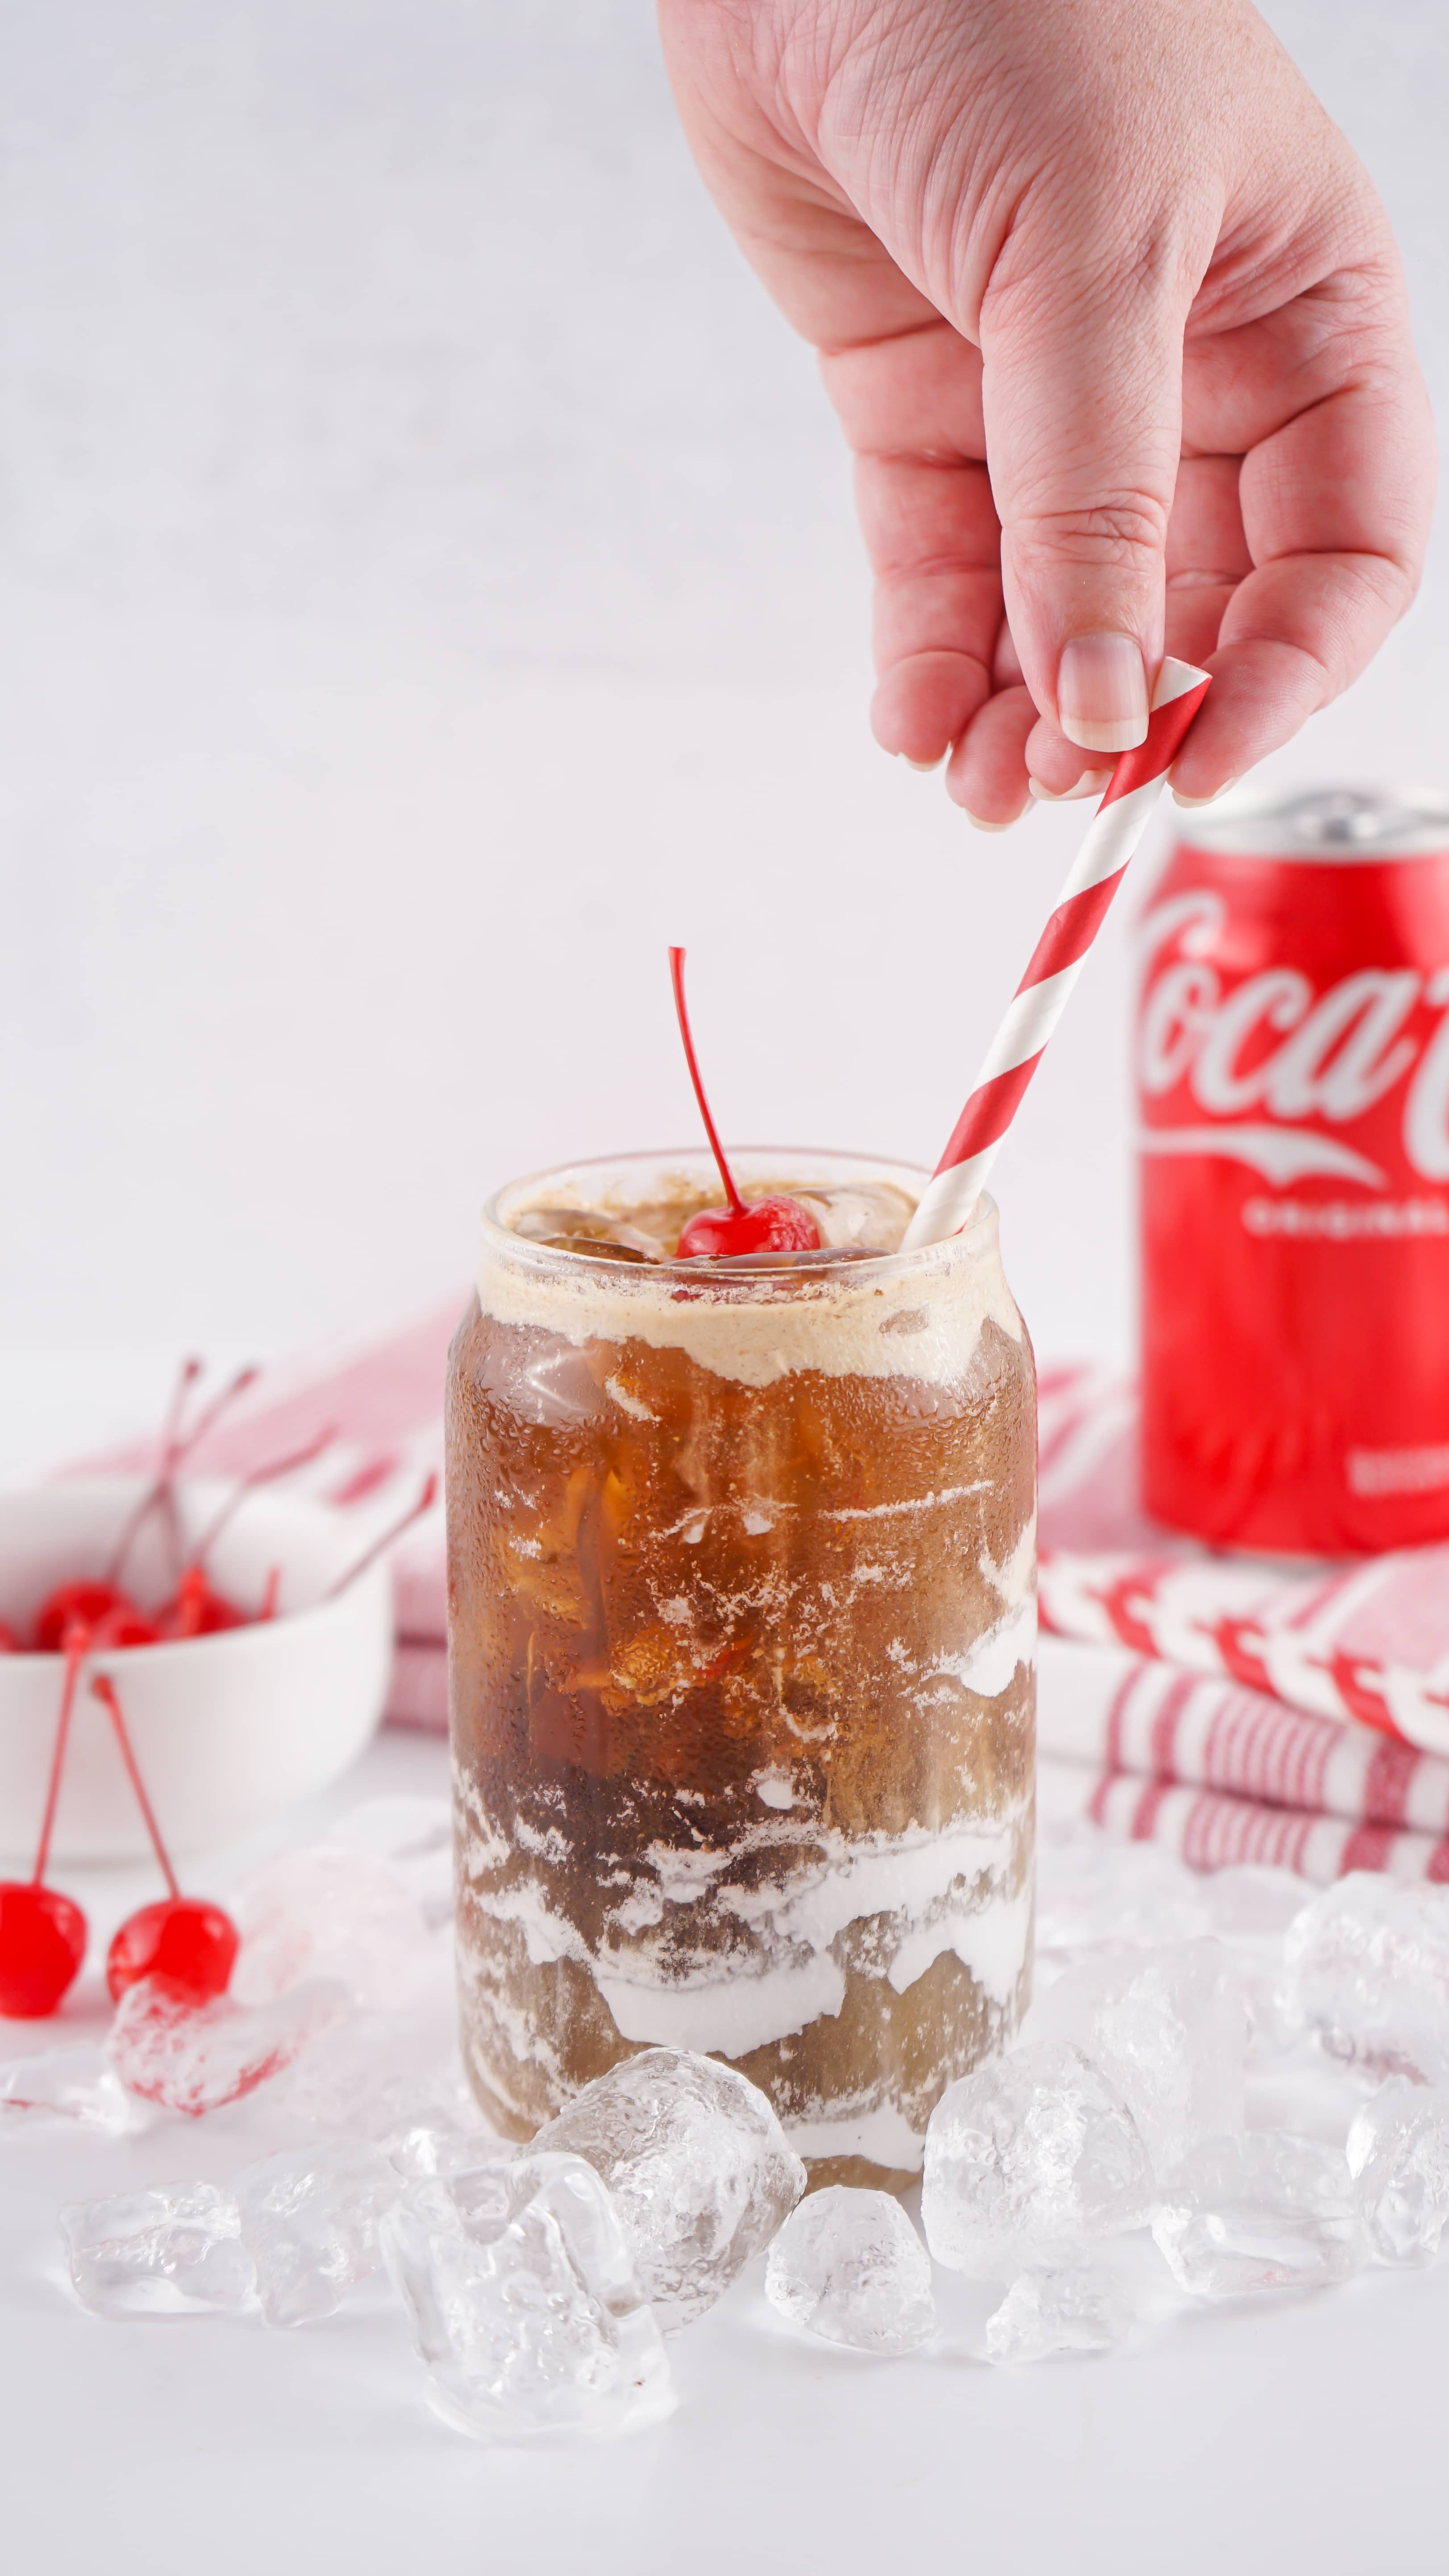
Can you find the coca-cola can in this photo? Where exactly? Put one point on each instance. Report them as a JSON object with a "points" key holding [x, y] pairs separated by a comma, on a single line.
{"points": [[1293, 1081]]}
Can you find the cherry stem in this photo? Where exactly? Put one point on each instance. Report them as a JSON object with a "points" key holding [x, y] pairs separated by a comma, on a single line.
{"points": [[174, 1447], [104, 1689], [77, 1647], [258, 1476], [676, 974], [424, 1503]]}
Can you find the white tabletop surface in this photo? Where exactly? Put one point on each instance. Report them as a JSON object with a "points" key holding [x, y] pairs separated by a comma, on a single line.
{"points": [[1291, 2437]]}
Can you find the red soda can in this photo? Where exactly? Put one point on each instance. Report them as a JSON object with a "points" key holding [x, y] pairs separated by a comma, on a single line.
{"points": [[1293, 1081]]}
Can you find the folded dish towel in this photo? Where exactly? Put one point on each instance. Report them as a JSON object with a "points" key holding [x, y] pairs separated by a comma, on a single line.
{"points": [[1233, 1708]]}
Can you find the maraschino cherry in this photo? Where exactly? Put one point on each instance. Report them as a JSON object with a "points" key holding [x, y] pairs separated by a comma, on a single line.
{"points": [[79, 1605], [189, 1942], [42, 1934], [746, 1225], [198, 1609]]}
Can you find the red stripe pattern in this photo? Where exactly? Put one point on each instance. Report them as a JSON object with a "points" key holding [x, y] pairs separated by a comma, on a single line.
{"points": [[1166, 731], [988, 1113], [1070, 931], [1073, 926]]}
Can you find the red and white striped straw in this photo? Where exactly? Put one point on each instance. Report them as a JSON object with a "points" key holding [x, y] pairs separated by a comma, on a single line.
{"points": [[1058, 958]]}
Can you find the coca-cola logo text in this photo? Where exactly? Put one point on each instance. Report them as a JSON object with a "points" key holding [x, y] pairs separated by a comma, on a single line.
{"points": [[1274, 1046]]}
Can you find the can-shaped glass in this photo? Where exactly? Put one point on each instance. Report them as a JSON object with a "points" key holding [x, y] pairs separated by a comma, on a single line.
{"points": [[742, 1593]]}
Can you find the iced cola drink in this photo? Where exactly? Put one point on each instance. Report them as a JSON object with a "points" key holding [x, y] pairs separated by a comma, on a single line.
{"points": [[742, 1624]]}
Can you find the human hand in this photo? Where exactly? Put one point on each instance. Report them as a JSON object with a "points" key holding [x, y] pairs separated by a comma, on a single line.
{"points": [[1116, 327]]}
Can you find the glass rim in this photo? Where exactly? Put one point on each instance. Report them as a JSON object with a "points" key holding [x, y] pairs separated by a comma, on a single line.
{"points": [[834, 1265]]}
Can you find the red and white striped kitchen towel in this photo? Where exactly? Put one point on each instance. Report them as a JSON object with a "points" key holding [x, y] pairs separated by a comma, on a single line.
{"points": [[1234, 1708]]}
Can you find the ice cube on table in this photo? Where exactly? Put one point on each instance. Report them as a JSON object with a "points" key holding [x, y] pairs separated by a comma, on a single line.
{"points": [[309, 2220], [1259, 2213], [1251, 1907], [421, 2151], [197, 2057], [848, 2266], [1046, 2312], [524, 2302], [1398, 2154], [329, 1911], [1168, 2028], [1028, 2156], [72, 2085], [700, 2170], [1093, 1894], [166, 2252], [1369, 1960]]}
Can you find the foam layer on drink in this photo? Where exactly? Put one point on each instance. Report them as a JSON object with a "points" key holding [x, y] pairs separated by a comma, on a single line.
{"points": [[587, 1255]]}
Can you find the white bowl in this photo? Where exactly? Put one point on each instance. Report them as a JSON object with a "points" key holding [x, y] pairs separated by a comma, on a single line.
{"points": [[225, 1728]]}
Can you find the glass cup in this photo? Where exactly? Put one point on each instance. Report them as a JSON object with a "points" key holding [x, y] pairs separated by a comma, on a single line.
{"points": [[742, 1594]]}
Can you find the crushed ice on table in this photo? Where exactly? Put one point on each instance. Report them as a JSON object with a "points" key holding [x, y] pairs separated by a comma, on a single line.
{"points": [[309, 2220], [71, 2084], [419, 2152], [1253, 1901], [329, 1911], [1029, 2156], [699, 2167], [524, 2302], [1070, 2310], [1262, 2212], [1095, 1894], [529, 2273], [159, 2253], [1398, 2155], [1168, 2028], [196, 2057], [848, 2266], [377, 2074], [1369, 1960], [1250, 1908]]}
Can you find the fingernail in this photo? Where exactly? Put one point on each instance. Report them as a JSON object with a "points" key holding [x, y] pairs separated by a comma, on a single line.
{"points": [[1102, 692], [924, 764], [1190, 802], [979, 823], [1091, 783]]}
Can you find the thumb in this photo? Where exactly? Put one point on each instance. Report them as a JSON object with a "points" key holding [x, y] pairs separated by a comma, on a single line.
{"points": [[1082, 396]]}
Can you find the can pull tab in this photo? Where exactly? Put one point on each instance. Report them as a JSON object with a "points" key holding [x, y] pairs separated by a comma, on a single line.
{"points": [[1345, 818]]}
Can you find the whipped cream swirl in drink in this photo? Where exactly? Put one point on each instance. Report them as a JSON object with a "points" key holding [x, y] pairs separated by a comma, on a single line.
{"points": [[742, 1598]]}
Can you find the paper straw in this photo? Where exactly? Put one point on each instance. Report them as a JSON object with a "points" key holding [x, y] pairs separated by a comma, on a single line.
{"points": [[1058, 958]]}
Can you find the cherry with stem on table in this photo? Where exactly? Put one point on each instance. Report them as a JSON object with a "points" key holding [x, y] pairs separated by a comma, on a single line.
{"points": [[42, 1934]]}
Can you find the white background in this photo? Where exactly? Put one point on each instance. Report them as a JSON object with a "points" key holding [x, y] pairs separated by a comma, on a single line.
{"points": [[429, 585]]}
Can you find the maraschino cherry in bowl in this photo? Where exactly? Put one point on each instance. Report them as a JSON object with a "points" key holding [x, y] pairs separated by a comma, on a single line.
{"points": [[226, 1725]]}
